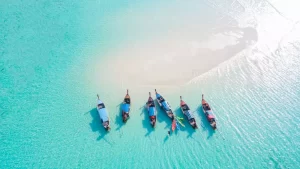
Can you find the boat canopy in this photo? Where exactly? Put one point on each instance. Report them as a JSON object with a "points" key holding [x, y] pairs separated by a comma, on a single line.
{"points": [[209, 112], [152, 111], [160, 98], [185, 107], [102, 112], [211, 116], [125, 108], [189, 114], [165, 106], [163, 102]]}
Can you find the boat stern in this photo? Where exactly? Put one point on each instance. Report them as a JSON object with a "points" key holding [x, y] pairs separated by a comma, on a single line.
{"points": [[125, 116], [170, 114], [194, 125], [213, 125], [106, 126], [153, 121]]}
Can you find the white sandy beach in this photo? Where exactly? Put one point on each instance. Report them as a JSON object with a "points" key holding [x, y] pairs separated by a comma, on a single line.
{"points": [[174, 61], [181, 47]]}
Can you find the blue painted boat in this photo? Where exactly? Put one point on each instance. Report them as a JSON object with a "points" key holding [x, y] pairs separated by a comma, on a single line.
{"points": [[188, 113], [126, 107], [150, 105], [164, 105], [209, 113], [103, 113]]}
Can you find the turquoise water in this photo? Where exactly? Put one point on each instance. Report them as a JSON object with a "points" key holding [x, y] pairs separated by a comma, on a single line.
{"points": [[53, 62]]}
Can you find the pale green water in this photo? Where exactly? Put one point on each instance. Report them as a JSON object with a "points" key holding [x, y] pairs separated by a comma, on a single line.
{"points": [[51, 54]]}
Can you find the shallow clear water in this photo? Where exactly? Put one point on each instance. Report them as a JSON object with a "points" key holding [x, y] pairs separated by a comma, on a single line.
{"points": [[56, 56]]}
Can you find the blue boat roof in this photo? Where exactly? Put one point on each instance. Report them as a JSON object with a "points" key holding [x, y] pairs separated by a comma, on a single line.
{"points": [[189, 114], [103, 114], [165, 105], [151, 111], [125, 107], [158, 95]]}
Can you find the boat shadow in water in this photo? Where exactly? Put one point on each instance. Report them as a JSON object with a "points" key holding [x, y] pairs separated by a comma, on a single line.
{"points": [[166, 138], [119, 121], [96, 125], [204, 124], [188, 128], [146, 122], [162, 116]]}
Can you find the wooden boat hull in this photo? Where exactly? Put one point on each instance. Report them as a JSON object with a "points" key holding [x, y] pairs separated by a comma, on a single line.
{"points": [[169, 113], [151, 111], [164, 105], [209, 115], [126, 108], [106, 125], [192, 120], [213, 123], [103, 114]]}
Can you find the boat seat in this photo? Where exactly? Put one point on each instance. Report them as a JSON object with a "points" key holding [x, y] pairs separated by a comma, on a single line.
{"points": [[127, 100], [185, 107], [161, 99], [101, 106], [151, 104]]}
